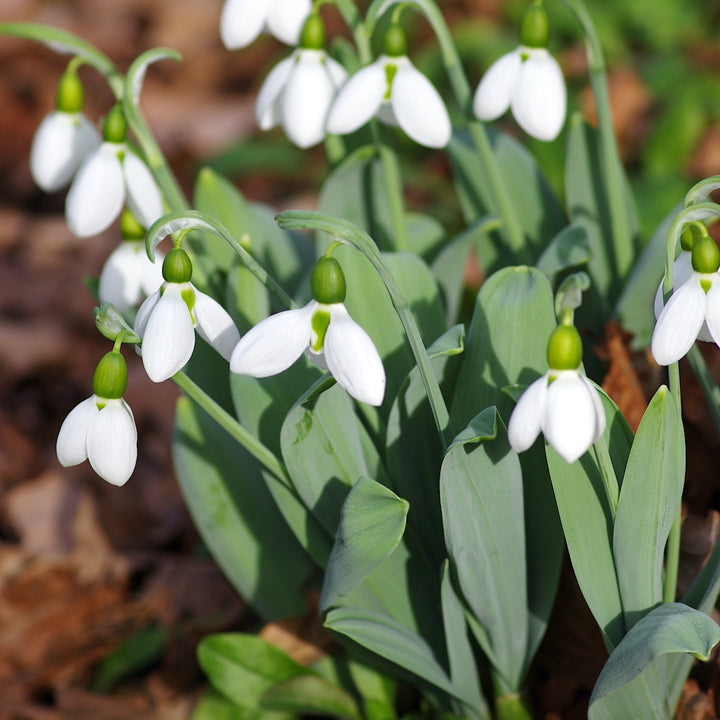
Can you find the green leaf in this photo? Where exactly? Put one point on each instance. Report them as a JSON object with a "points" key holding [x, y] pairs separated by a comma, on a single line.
{"points": [[236, 516], [244, 667], [214, 706], [648, 502], [506, 342], [311, 694], [372, 524], [621, 690], [568, 249], [485, 538]]}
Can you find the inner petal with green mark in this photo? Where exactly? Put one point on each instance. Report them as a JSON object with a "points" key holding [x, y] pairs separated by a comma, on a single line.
{"points": [[390, 72], [188, 296], [319, 323]]}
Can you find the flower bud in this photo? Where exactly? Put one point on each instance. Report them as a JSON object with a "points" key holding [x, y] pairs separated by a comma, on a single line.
{"points": [[70, 96], [395, 44], [111, 377], [130, 228], [327, 282], [115, 127], [705, 255], [692, 232], [534, 29], [177, 267], [564, 351], [312, 35]]}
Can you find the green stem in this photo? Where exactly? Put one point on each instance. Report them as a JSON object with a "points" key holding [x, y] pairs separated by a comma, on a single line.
{"points": [[393, 187], [351, 15], [607, 471], [361, 241], [223, 418], [512, 707]]}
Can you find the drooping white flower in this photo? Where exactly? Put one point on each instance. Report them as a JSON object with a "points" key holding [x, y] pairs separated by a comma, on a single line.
{"points": [[331, 337], [243, 20], [395, 92], [564, 406], [297, 95], [101, 428], [529, 81], [129, 275], [168, 319], [61, 143]]}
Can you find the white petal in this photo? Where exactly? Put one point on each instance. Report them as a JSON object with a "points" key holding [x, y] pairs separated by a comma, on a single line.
{"points": [[358, 100], [538, 99], [600, 419], [61, 143], [241, 21], [274, 344], [71, 446], [97, 193], [712, 311], [121, 275], [682, 270], [306, 100], [214, 325], [526, 419], [143, 196], [419, 109], [338, 74], [679, 323], [285, 19], [492, 97], [144, 313], [112, 442], [353, 359], [267, 106], [151, 277], [570, 423], [169, 337]]}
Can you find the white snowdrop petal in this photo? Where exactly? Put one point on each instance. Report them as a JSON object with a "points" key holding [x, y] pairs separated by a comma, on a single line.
{"points": [[97, 193], [143, 314], [214, 325], [112, 442], [419, 109], [358, 100], [492, 97], [712, 312], [120, 279], [267, 105], [570, 418], [151, 277], [169, 337], [526, 419], [274, 344], [241, 21], [285, 19], [600, 419], [306, 100], [538, 99], [352, 358], [679, 323], [338, 74], [143, 196], [71, 445]]}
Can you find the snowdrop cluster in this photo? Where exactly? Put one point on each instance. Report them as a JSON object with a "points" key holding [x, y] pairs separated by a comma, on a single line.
{"points": [[563, 404]]}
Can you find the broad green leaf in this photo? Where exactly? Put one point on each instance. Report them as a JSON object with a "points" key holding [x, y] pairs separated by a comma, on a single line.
{"points": [[376, 689], [236, 515], [311, 694], [648, 502], [424, 233], [214, 706], [327, 450], [568, 249], [537, 209], [506, 343], [481, 493], [621, 692], [372, 524], [243, 667]]}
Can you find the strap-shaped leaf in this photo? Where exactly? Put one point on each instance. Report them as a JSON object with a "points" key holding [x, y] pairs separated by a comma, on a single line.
{"points": [[647, 505], [311, 694]]}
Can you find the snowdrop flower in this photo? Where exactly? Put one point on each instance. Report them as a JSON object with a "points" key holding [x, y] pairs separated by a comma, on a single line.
{"points": [[325, 329], [128, 274], [563, 403], [243, 20], [102, 429], [394, 91], [299, 90], [108, 178], [64, 138], [167, 321], [528, 80], [693, 311]]}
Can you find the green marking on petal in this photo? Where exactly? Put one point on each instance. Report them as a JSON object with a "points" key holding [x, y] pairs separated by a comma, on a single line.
{"points": [[319, 323], [188, 296], [100, 405], [705, 284], [390, 72]]}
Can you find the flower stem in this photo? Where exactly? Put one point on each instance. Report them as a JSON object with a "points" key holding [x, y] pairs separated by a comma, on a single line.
{"points": [[242, 436], [672, 549], [393, 187], [361, 241], [607, 472]]}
